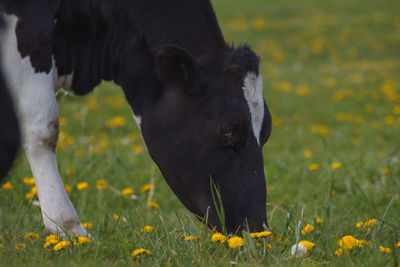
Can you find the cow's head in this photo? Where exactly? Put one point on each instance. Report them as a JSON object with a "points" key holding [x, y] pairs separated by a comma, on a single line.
{"points": [[206, 130]]}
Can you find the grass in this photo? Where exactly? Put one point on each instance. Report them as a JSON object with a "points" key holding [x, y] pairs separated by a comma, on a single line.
{"points": [[331, 74]]}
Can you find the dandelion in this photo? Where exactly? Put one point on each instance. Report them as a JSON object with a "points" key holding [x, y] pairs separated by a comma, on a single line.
{"points": [[260, 234], [218, 237], [359, 224], [307, 229], [190, 237], [137, 253], [147, 229], [336, 165], [19, 246], [333, 192], [309, 245], [385, 250], [127, 191], [67, 188], [50, 242], [31, 235], [398, 244], [319, 221], [137, 149], [1, 246], [385, 170], [313, 166], [307, 153], [86, 225], [339, 252], [83, 240], [348, 242], [61, 245], [369, 222], [82, 185], [101, 184], [28, 181], [116, 122], [52, 237], [302, 90], [153, 205], [7, 186], [235, 242], [146, 188], [116, 217]]}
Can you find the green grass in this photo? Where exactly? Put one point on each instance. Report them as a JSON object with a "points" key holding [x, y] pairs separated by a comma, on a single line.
{"points": [[331, 74]]}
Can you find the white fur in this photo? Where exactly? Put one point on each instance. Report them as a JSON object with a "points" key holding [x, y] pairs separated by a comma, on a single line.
{"points": [[138, 120], [253, 93], [34, 96]]}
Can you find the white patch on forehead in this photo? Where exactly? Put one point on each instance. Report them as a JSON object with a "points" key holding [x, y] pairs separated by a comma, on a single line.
{"points": [[253, 93]]}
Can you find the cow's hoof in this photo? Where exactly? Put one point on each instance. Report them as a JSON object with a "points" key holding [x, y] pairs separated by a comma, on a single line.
{"points": [[69, 228]]}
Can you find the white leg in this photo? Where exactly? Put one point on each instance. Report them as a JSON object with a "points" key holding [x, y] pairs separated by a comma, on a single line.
{"points": [[36, 106]]}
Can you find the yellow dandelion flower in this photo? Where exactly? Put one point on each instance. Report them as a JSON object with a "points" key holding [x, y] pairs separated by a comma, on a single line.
{"points": [[19, 246], [313, 166], [86, 225], [127, 191], [29, 195], [235, 242], [146, 188], [385, 170], [147, 229], [83, 240], [137, 149], [359, 224], [385, 250], [361, 243], [302, 90], [67, 188], [333, 192], [153, 205], [218, 237], [398, 244], [369, 222], [63, 121], [31, 235], [50, 242], [52, 237], [28, 181], [101, 184], [61, 245], [348, 242], [137, 253], [116, 217], [336, 165], [82, 185], [339, 252], [307, 153], [116, 122], [260, 234], [1, 245], [319, 221], [190, 237], [309, 245], [7, 186], [307, 229]]}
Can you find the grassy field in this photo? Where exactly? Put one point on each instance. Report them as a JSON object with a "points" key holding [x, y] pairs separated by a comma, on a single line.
{"points": [[331, 73]]}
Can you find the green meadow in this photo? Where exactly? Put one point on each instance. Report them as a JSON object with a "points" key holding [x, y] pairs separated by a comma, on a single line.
{"points": [[331, 75]]}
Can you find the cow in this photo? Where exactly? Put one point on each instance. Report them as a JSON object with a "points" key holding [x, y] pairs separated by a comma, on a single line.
{"points": [[197, 100], [9, 134]]}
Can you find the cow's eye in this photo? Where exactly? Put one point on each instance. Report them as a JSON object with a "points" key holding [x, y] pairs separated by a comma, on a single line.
{"points": [[226, 134]]}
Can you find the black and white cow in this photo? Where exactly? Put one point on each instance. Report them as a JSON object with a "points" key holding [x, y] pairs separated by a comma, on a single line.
{"points": [[197, 101], [9, 133]]}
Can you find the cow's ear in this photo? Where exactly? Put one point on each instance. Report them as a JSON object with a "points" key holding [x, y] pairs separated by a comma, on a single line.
{"points": [[176, 66]]}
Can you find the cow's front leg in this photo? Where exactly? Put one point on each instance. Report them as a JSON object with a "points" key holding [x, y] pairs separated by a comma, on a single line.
{"points": [[40, 125]]}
